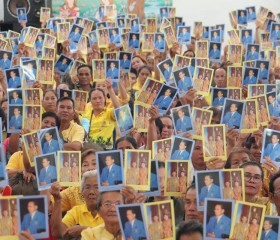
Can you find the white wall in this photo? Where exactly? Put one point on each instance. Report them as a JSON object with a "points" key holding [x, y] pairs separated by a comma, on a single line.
{"points": [[1, 10]]}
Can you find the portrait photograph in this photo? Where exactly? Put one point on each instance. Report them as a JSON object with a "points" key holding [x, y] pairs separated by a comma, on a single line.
{"points": [[46, 170], [125, 61], [63, 30], [137, 167], [52, 24], [92, 37], [159, 42], [48, 53], [32, 96], [181, 62], [134, 40], [214, 141], [201, 49], [49, 41], [3, 44], [65, 93], [113, 70], [114, 34], [33, 215], [250, 121], [9, 217], [184, 34], [177, 178], [183, 79], [69, 168], [251, 14], [263, 70], [165, 69], [110, 168], [182, 120], [233, 37], [154, 181], [234, 76], [31, 36], [148, 42], [200, 62], [255, 90], [233, 184], [200, 117], [250, 75], [233, 113], [39, 43], [170, 37], [80, 98], [271, 146], [98, 67], [214, 51], [32, 117], [124, 40], [242, 17], [62, 64], [161, 149], [49, 140], [218, 96], [21, 15], [149, 92], [160, 219], [45, 71], [217, 218], [111, 56], [208, 185], [165, 98], [45, 14], [13, 77], [124, 119], [29, 70], [151, 24], [252, 52], [181, 148], [132, 221], [15, 97], [215, 35], [202, 80], [3, 173], [248, 218], [5, 59], [75, 35], [14, 116], [32, 146], [263, 115], [141, 118], [270, 228]]}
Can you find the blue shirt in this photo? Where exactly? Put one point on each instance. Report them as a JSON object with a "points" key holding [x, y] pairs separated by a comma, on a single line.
{"points": [[48, 175], [53, 146], [232, 119], [113, 177], [16, 122], [35, 225], [136, 231], [219, 227], [180, 155], [183, 124]]}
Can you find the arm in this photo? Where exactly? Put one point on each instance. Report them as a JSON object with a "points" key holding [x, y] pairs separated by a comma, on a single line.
{"points": [[122, 91], [73, 146], [112, 94], [152, 129]]}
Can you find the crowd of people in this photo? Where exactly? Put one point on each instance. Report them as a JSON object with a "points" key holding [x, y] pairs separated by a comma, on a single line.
{"points": [[149, 129]]}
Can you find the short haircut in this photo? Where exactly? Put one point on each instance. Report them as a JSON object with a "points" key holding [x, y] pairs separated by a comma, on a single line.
{"points": [[99, 199], [134, 71], [238, 150], [144, 67], [87, 175], [131, 209], [33, 201], [254, 163], [90, 148], [271, 182], [130, 139], [85, 66], [52, 115], [161, 164], [65, 98], [209, 175], [49, 90], [50, 133], [189, 228]]}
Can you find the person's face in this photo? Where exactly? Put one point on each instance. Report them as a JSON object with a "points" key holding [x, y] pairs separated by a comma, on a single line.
{"points": [[252, 187], [182, 146], [15, 95], [124, 145], [233, 108], [49, 102], [271, 99], [136, 63], [155, 218], [167, 128], [227, 184], [31, 207], [251, 73], [88, 163], [220, 78], [45, 163], [90, 192], [180, 114], [197, 156], [238, 158], [16, 112], [167, 92], [218, 211], [143, 74], [109, 161], [192, 236], [274, 139], [48, 122], [97, 100], [208, 181], [267, 226], [84, 76], [65, 110], [109, 215], [220, 94], [12, 74], [191, 212], [66, 164], [130, 215]]}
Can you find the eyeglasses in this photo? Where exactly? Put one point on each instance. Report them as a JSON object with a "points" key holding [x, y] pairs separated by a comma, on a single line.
{"points": [[109, 204], [256, 178]]}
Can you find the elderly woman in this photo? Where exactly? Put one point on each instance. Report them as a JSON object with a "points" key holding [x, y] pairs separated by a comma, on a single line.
{"points": [[79, 217]]}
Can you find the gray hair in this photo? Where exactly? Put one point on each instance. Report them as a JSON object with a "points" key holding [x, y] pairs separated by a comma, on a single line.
{"points": [[99, 198], [87, 175]]}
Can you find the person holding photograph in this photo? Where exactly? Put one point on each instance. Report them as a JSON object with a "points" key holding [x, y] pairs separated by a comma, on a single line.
{"points": [[133, 228], [33, 221], [111, 174], [48, 174]]}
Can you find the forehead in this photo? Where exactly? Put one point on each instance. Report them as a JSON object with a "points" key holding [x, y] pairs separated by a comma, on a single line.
{"points": [[252, 169], [66, 102], [111, 196]]}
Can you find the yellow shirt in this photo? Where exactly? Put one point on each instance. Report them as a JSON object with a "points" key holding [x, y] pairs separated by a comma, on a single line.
{"points": [[16, 162], [75, 133], [97, 233], [102, 125], [79, 215], [71, 197]]}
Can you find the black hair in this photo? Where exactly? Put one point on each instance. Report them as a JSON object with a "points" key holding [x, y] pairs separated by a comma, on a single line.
{"points": [[49, 90], [271, 182], [65, 98], [254, 163], [189, 228], [144, 67], [129, 139], [53, 115], [84, 65]]}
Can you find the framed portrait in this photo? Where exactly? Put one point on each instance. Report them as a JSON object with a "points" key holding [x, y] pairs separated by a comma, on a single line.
{"points": [[182, 119], [217, 218], [159, 42], [141, 118], [45, 14], [234, 76], [32, 96], [208, 185], [181, 62], [137, 168], [62, 64], [114, 34], [124, 119], [49, 41], [63, 30], [202, 80], [263, 70], [13, 77], [270, 227], [161, 149], [214, 141], [21, 15], [74, 36], [181, 148], [125, 61], [45, 71], [148, 42], [183, 79], [15, 97], [250, 121], [49, 140], [113, 70], [154, 181], [184, 34], [271, 146], [134, 40], [169, 34], [98, 67], [201, 49], [29, 70], [111, 170], [14, 116], [250, 75], [214, 51], [252, 52], [251, 13], [235, 55], [218, 96], [5, 59], [263, 115], [32, 146], [80, 98], [165, 69], [255, 90], [31, 36], [35, 206], [32, 117], [215, 35]]}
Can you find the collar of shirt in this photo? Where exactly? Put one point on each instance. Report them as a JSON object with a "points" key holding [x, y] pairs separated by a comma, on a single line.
{"points": [[219, 218], [32, 215], [209, 187]]}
